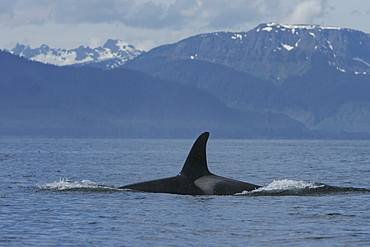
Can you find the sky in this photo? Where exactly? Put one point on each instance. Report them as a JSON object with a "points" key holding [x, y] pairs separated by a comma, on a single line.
{"points": [[150, 23]]}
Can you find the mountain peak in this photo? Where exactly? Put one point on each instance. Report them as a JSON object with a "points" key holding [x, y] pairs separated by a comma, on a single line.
{"points": [[113, 53], [118, 45], [275, 51], [270, 26]]}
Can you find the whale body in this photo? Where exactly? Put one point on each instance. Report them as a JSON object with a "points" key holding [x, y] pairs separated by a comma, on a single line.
{"points": [[194, 178]]}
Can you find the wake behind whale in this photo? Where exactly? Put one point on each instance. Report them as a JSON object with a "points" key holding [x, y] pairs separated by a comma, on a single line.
{"points": [[282, 187], [286, 187]]}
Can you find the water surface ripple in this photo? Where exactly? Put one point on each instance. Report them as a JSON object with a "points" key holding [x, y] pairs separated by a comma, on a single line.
{"points": [[63, 192]]}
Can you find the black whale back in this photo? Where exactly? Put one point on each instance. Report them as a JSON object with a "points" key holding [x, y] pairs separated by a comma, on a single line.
{"points": [[194, 178]]}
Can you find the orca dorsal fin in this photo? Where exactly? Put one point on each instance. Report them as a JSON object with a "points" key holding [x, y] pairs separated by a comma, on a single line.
{"points": [[196, 163]]}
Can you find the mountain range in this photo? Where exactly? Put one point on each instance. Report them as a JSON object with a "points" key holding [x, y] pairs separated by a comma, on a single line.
{"points": [[112, 54], [37, 99], [319, 76], [275, 51], [274, 81]]}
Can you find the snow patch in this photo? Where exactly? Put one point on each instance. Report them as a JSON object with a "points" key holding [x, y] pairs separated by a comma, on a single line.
{"points": [[268, 29], [287, 47], [193, 57], [330, 46], [360, 73], [122, 45], [237, 36], [63, 59], [297, 26], [362, 61], [341, 70], [113, 49], [296, 44]]}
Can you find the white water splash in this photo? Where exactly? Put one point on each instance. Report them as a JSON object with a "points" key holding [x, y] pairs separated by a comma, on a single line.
{"points": [[286, 185], [66, 184]]}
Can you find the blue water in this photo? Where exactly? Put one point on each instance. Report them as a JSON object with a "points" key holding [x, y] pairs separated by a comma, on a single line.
{"points": [[62, 192]]}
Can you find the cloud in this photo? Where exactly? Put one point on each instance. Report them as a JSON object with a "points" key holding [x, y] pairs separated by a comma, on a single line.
{"points": [[305, 12], [226, 14], [7, 5], [144, 23], [145, 15], [23, 12], [173, 14], [218, 14]]}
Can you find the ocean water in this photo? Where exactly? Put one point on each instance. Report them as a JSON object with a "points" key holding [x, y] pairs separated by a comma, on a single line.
{"points": [[62, 192]]}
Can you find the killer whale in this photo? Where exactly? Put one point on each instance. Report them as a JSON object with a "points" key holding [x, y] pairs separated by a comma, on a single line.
{"points": [[194, 178]]}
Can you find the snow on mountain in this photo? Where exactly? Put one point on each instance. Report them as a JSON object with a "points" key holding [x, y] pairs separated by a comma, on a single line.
{"points": [[113, 54], [275, 51], [346, 49], [317, 75]]}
